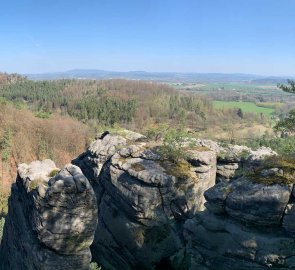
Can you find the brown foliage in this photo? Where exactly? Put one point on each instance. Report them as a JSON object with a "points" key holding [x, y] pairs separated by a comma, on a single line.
{"points": [[59, 138]]}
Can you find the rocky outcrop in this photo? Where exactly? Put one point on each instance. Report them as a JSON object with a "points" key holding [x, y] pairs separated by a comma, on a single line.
{"points": [[214, 208], [251, 203], [51, 219], [143, 199], [248, 224], [233, 160]]}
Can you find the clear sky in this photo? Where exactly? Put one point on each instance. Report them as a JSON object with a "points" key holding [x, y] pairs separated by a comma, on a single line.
{"points": [[228, 36]]}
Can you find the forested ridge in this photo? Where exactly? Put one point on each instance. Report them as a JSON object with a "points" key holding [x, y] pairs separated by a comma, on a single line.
{"points": [[58, 119], [133, 104], [45, 117]]}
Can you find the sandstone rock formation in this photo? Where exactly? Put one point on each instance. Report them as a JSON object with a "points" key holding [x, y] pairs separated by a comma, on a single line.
{"points": [[234, 159], [215, 208], [142, 199], [247, 225], [51, 220]]}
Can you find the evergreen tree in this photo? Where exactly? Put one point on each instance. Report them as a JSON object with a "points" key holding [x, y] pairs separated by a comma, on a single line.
{"points": [[287, 124]]}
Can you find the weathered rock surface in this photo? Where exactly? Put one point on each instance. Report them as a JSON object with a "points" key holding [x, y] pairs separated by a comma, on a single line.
{"points": [[206, 211], [247, 225], [51, 221], [253, 203], [142, 200], [218, 242], [233, 160]]}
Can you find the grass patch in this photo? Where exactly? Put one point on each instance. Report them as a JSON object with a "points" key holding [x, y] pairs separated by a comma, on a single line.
{"points": [[284, 163], [244, 106]]}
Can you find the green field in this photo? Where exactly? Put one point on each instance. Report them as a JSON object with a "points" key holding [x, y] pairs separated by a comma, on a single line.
{"points": [[244, 106]]}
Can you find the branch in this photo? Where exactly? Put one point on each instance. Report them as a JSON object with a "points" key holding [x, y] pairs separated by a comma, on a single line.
{"points": [[288, 88]]}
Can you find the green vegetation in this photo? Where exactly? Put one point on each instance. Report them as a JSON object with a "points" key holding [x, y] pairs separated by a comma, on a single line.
{"points": [[172, 148], [181, 170], [284, 172], [39, 118], [238, 91], [94, 266], [35, 183], [5, 148], [290, 88], [283, 146], [287, 124], [244, 106], [54, 172], [135, 105], [228, 155], [3, 203]]}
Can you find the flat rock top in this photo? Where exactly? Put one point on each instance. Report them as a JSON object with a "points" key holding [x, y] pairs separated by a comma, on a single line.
{"points": [[36, 170]]}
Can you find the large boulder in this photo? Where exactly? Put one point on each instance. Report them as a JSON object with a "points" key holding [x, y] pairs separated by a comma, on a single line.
{"points": [[51, 220]]}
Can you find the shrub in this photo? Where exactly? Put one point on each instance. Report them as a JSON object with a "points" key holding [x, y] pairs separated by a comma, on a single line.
{"points": [[173, 146]]}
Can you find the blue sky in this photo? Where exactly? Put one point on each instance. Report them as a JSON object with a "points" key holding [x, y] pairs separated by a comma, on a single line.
{"points": [[228, 36]]}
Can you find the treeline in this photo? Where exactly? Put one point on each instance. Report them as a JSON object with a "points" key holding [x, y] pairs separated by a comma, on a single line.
{"points": [[131, 104], [109, 102]]}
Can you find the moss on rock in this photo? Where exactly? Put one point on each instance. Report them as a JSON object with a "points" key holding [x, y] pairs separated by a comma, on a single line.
{"points": [[137, 167], [282, 171], [35, 183], [181, 170], [54, 172]]}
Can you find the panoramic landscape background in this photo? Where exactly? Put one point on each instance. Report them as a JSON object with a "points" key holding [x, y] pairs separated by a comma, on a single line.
{"points": [[172, 71], [208, 68]]}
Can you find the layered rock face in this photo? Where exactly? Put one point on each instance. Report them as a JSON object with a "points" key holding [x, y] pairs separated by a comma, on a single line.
{"points": [[142, 199], [51, 220], [234, 159], [247, 225], [215, 208]]}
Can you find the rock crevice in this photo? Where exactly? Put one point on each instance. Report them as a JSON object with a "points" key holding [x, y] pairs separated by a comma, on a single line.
{"points": [[136, 209]]}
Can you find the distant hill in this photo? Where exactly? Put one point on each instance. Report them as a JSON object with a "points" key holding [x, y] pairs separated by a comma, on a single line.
{"points": [[155, 76], [271, 80]]}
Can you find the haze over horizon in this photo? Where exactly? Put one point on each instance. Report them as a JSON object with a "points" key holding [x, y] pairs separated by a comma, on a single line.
{"points": [[202, 36]]}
